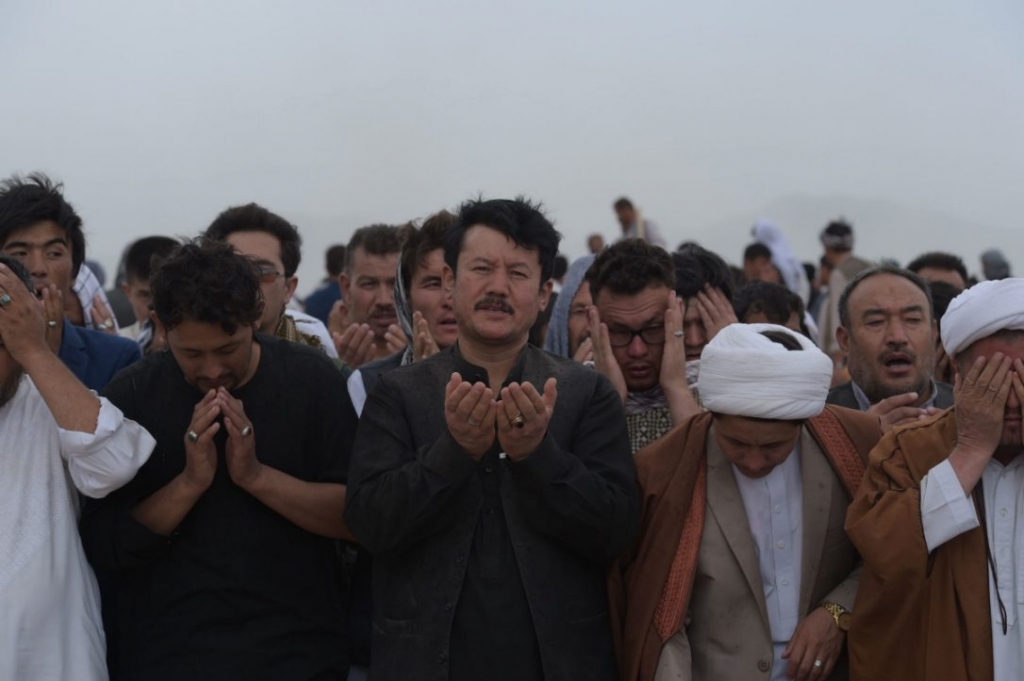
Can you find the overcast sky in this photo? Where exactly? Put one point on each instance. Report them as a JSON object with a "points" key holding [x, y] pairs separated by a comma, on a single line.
{"points": [[159, 114]]}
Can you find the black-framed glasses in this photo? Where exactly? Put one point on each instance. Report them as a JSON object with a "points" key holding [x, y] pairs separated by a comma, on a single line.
{"points": [[651, 335]]}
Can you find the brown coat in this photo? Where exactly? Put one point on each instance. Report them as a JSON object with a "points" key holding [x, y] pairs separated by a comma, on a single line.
{"points": [[668, 472], [917, 616]]}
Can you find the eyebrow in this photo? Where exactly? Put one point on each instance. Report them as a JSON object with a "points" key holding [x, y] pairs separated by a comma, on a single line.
{"points": [[902, 310], [25, 244]]}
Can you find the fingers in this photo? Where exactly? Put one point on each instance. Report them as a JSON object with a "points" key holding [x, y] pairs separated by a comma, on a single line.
{"points": [[894, 402], [232, 408], [455, 392], [550, 394], [469, 401], [585, 352]]}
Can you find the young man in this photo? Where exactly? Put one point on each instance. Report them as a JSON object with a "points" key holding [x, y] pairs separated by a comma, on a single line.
{"points": [[138, 268], [226, 536], [637, 334], [274, 247], [742, 570], [492, 482], [57, 439], [42, 231], [635, 226], [366, 326], [843, 265]]}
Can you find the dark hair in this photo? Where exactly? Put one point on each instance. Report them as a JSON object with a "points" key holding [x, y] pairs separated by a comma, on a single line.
{"points": [[622, 202], [838, 236], [144, 255], [253, 217], [696, 267], [373, 240], [334, 260], [943, 294], [25, 202], [561, 266], [629, 266], [519, 219], [885, 268], [418, 244], [939, 261], [784, 339], [756, 250], [776, 302], [14, 265], [207, 281]]}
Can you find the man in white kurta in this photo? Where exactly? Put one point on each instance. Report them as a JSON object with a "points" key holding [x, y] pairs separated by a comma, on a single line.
{"points": [[57, 439]]}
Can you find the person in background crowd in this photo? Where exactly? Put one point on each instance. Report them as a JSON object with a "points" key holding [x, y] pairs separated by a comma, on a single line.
{"points": [[789, 267], [994, 265], [761, 302], [936, 266], [569, 329], [942, 295], [843, 266], [139, 263], [595, 244], [319, 303], [757, 264], [635, 225]]}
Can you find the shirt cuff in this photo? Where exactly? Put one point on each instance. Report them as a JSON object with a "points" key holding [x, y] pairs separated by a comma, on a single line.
{"points": [[946, 512]]}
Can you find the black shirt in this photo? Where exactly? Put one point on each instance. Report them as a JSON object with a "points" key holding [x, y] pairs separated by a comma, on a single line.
{"points": [[238, 591]]}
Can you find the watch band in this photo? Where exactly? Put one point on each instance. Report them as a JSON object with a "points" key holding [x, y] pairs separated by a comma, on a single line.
{"points": [[840, 614]]}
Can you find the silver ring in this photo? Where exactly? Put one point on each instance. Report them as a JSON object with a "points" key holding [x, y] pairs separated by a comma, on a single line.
{"points": [[52, 324], [246, 431], [5, 299], [677, 334], [819, 664], [192, 436], [107, 324], [519, 421]]}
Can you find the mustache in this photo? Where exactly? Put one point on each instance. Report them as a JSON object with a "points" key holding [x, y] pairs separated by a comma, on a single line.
{"points": [[383, 311], [494, 302]]}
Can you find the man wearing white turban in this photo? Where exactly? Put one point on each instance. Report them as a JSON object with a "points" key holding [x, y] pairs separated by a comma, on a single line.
{"points": [[743, 569], [938, 518]]}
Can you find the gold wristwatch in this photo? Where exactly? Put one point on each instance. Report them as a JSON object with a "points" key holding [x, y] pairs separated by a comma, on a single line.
{"points": [[840, 614]]}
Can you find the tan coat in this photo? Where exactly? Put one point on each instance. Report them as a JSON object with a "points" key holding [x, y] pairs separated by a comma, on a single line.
{"points": [[917, 616], [728, 627]]}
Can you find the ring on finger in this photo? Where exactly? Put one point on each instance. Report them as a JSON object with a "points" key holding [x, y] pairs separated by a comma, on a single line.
{"points": [[52, 323], [246, 430], [818, 664], [192, 436], [519, 421], [106, 324], [677, 334], [5, 298]]}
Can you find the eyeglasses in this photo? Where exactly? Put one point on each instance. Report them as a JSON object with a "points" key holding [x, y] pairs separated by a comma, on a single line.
{"points": [[651, 335], [265, 271]]}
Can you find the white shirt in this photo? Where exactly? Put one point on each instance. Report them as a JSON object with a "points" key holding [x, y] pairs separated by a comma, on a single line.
{"points": [[947, 512], [50, 627], [357, 391], [643, 228], [775, 507], [87, 287], [310, 325]]}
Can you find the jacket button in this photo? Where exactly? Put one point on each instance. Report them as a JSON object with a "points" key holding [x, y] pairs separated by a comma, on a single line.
{"points": [[764, 665]]}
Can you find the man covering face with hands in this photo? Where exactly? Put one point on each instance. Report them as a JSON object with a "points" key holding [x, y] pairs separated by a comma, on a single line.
{"points": [[493, 510]]}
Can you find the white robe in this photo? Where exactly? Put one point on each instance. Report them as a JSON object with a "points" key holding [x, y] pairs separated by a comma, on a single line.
{"points": [[50, 625]]}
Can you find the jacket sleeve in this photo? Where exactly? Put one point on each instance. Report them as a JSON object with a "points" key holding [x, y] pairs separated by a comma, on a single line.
{"points": [[587, 498], [399, 493]]}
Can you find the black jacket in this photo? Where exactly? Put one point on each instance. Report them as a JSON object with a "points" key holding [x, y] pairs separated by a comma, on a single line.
{"points": [[415, 498], [842, 396]]}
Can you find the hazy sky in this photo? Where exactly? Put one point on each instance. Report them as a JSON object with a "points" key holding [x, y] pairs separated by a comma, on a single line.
{"points": [[159, 114]]}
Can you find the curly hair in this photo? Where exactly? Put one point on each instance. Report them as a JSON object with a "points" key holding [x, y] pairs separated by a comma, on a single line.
{"points": [[253, 217], [206, 281], [629, 266], [25, 202]]}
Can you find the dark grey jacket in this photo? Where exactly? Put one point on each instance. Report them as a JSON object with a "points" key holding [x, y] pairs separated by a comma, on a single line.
{"points": [[414, 497], [842, 395]]}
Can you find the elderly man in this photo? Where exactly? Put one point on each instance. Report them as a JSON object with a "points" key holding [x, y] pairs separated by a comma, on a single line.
{"points": [[223, 543], [742, 570], [57, 439], [938, 519], [887, 333], [636, 326], [492, 482]]}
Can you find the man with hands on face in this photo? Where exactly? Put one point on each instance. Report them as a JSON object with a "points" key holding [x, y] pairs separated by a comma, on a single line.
{"points": [[57, 440], [887, 334], [226, 536], [938, 519], [742, 570], [492, 482]]}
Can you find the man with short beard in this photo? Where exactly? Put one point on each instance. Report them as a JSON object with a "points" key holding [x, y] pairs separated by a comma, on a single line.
{"points": [[57, 440], [887, 332]]}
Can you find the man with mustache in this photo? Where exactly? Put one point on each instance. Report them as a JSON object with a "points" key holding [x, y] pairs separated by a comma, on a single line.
{"points": [[887, 333], [364, 323], [938, 517], [492, 482]]}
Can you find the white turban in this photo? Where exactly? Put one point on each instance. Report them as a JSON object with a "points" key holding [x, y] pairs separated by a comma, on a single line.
{"points": [[745, 373], [981, 311]]}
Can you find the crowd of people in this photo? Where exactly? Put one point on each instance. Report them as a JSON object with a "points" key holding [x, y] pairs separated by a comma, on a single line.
{"points": [[464, 457]]}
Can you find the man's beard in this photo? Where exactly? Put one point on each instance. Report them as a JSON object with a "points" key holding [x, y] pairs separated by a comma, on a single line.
{"points": [[10, 387]]}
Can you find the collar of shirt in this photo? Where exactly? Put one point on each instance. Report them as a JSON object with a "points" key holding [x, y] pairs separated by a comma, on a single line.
{"points": [[472, 373], [863, 403]]}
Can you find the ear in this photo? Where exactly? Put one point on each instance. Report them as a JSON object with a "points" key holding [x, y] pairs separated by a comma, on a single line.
{"points": [[843, 338], [545, 294], [290, 284], [345, 283], [448, 278], [126, 288], [157, 326]]}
